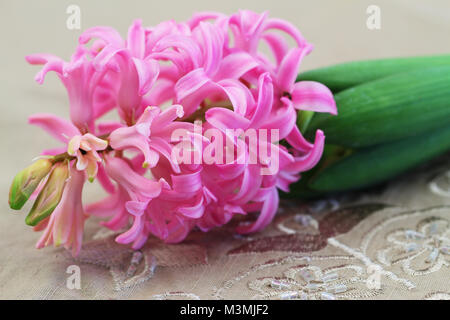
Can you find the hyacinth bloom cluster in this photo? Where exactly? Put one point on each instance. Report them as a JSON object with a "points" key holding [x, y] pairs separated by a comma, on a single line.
{"points": [[170, 85]]}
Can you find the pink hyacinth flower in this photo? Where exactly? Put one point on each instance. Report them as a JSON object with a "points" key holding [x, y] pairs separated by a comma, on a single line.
{"points": [[90, 92], [83, 147]]}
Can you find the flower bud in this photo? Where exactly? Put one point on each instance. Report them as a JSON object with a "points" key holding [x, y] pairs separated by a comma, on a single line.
{"points": [[26, 181], [50, 194]]}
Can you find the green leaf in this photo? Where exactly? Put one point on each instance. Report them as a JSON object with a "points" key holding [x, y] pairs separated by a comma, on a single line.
{"points": [[342, 76], [388, 109], [370, 166]]}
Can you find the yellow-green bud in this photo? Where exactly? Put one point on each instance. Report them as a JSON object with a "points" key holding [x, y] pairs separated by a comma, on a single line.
{"points": [[26, 181], [50, 195]]}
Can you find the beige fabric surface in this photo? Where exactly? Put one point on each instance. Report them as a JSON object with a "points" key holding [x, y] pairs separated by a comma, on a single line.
{"points": [[397, 236]]}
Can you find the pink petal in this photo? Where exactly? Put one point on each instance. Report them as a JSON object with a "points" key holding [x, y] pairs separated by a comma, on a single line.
{"points": [[277, 44], [213, 40], [40, 58], [265, 100], [132, 233], [282, 119], [136, 208], [147, 72], [136, 39], [235, 66], [190, 83], [313, 96], [296, 140], [107, 34], [166, 117], [239, 95], [187, 183], [188, 45], [59, 128], [290, 29], [194, 212], [224, 119], [268, 211], [289, 67], [52, 65], [251, 182], [308, 161]]}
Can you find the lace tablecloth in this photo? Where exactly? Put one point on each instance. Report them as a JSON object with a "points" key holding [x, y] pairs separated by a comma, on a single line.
{"points": [[389, 243]]}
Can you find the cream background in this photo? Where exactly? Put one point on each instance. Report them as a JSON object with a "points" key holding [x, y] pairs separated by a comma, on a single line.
{"points": [[336, 28]]}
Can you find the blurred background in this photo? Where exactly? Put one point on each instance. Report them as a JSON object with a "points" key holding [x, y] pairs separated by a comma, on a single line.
{"points": [[338, 29]]}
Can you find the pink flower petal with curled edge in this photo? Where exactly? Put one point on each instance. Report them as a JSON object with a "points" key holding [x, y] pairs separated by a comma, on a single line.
{"points": [[239, 95], [136, 39], [266, 215], [187, 183], [289, 28], [137, 137], [284, 180], [147, 72], [195, 211], [248, 28], [52, 65], [95, 142], [288, 70], [235, 65], [107, 34], [192, 102], [277, 44], [296, 140], [313, 96], [224, 119], [40, 58], [308, 161], [141, 239], [59, 128], [131, 234], [265, 101], [181, 42], [202, 16], [283, 120], [163, 148], [136, 208], [212, 40], [138, 187], [251, 182], [166, 117], [190, 83]]}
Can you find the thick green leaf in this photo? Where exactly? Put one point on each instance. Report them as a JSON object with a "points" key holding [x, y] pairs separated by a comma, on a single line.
{"points": [[373, 165], [342, 76], [388, 109]]}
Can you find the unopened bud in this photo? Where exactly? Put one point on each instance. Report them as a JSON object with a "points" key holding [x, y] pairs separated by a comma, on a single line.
{"points": [[26, 181], [50, 195]]}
